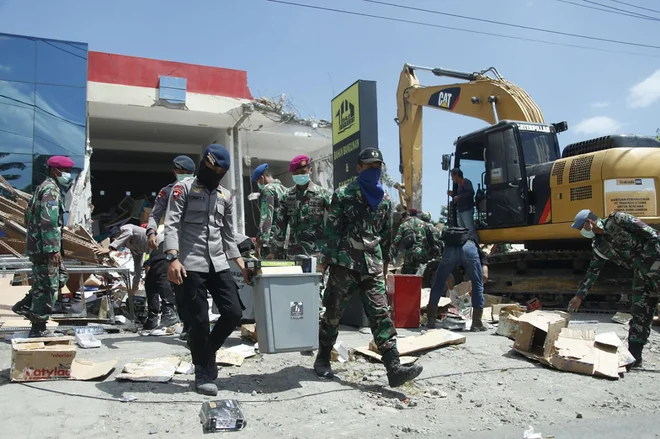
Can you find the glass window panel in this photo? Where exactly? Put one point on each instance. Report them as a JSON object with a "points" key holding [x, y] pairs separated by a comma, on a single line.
{"points": [[17, 170], [17, 58], [60, 120], [40, 171], [16, 116], [61, 63]]}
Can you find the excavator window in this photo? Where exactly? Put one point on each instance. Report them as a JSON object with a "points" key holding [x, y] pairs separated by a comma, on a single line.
{"points": [[539, 147]]}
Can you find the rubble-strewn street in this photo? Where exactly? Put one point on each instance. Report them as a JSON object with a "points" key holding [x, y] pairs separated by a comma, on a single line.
{"points": [[479, 389]]}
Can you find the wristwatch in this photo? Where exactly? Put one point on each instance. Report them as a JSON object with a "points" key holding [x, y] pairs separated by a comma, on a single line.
{"points": [[151, 232], [172, 257]]}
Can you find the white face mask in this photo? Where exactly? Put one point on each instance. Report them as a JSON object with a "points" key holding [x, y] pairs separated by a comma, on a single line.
{"points": [[589, 234], [181, 177]]}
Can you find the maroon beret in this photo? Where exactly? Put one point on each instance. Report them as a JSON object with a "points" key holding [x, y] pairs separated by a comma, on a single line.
{"points": [[60, 162], [299, 161]]}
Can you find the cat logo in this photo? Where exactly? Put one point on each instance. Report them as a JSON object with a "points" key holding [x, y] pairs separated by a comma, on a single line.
{"points": [[346, 114], [445, 99]]}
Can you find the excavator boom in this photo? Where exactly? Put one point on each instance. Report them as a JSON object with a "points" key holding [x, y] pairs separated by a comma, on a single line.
{"points": [[490, 98]]}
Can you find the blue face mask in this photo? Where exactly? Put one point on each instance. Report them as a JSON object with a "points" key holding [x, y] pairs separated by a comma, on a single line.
{"points": [[301, 179], [181, 177], [370, 186]]}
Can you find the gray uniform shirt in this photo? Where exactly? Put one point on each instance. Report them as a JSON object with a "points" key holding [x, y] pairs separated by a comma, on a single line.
{"points": [[135, 239], [199, 225], [160, 207]]}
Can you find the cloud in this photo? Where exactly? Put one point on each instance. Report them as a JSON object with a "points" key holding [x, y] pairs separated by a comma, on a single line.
{"points": [[598, 125], [645, 93], [600, 105]]}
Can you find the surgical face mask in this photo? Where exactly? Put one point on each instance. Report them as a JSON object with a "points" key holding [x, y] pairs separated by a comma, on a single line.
{"points": [[301, 179], [64, 178], [181, 177], [260, 186], [589, 234]]}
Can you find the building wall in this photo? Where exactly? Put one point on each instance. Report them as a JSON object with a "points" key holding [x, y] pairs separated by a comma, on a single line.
{"points": [[43, 106]]}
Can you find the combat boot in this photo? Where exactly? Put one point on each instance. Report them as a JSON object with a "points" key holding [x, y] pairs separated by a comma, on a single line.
{"points": [[322, 363], [22, 307], [169, 317], [39, 330], [477, 324], [398, 374], [151, 323], [204, 385], [636, 351], [431, 315]]}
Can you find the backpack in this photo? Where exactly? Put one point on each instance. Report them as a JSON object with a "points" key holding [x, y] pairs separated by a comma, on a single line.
{"points": [[455, 236], [433, 244], [408, 239]]}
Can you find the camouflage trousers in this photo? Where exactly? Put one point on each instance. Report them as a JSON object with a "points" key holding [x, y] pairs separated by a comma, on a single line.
{"points": [[342, 284], [47, 281], [644, 301]]}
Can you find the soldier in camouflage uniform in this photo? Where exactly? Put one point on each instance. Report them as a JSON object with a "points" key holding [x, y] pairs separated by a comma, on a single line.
{"points": [[626, 241], [44, 222], [357, 250], [410, 237], [272, 191], [303, 210]]}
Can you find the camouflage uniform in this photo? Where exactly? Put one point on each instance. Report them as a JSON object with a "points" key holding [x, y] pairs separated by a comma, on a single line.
{"points": [[630, 243], [416, 255], [303, 210], [44, 221], [357, 247], [269, 202]]}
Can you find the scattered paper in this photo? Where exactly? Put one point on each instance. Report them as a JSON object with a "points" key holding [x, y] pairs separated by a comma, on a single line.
{"points": [[622, 317], [156, 370], [185, 368], [87, 341]]}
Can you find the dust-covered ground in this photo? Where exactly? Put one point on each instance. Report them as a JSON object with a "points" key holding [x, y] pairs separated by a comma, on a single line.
{"points": [[479, 389]]}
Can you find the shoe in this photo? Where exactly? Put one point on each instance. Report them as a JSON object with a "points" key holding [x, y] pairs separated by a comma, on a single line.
{"points": [[203, 383], [477, 324], [322, 363], [39, 330], [636, 350], [169, 317], [213, 368], [151, 323], [431, 315], [184, 335], [397, 373], [22, 307]]}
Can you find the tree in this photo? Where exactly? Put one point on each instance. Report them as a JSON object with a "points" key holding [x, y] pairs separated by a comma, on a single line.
{"points": [[657, 134], [444, 214]]}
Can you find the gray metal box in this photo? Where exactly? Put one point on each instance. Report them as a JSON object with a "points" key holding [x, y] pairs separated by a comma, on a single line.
{"points": [[286, 311]]}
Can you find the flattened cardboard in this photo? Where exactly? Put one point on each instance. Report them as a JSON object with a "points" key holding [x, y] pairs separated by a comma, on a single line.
{"points": [[52, 358], [371, 354], [155, 370], [431, 340], [538, 331], [577, 351]]}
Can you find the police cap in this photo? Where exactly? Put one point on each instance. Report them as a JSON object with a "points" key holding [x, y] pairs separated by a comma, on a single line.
{"points": [[184, 163], [258, 172], [218, 156], [370, 155]]}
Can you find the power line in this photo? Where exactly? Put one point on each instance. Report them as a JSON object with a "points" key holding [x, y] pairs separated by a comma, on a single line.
{"points": [[615, 9], [518, 26], [633, 15], [437, 26], [635, 6]]}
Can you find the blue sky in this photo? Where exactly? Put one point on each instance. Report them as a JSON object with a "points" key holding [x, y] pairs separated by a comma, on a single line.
{"points": [[311, 55]]}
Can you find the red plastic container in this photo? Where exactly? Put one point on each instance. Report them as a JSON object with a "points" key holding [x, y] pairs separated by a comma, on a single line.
{"points": [[404, 293]]}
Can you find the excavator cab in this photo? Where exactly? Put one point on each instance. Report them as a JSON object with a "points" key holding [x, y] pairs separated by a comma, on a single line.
{"points": [[500, 161]]}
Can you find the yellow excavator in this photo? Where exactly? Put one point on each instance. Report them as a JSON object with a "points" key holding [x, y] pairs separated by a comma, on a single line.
{"points": [[527, 191]]}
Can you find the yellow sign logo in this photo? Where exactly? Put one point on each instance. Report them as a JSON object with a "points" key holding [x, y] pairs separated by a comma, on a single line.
{"points": [[346, 114]]}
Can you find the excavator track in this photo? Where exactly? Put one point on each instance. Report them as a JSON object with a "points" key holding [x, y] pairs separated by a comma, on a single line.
{"points": [[553, 277]]}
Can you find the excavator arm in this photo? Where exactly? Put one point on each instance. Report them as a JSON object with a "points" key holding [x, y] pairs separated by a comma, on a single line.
{"points": [[489, 98]]}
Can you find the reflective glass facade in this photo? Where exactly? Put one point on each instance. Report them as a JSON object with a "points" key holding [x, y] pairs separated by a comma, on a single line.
{"points": [[43, 106]]}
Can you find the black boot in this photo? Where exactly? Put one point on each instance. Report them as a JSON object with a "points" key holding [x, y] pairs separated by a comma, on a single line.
{"points": [[322, 363], [184, 332], [22, 307], [398, 374], [477, 324], [39, 330], [204, 385], [169, 317], [151, 323], [636, 351], [431, 315]]}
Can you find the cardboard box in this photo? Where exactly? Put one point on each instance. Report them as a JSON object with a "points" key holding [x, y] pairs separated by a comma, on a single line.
{"points": [[537, 333], [52, 358], [508, 321]]}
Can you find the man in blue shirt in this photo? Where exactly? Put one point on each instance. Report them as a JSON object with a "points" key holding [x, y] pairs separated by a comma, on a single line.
{"points": [[464, 201]]}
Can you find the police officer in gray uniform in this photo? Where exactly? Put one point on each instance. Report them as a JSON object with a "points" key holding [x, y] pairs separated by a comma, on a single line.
{"points": [[199, 241], [184, 167]]}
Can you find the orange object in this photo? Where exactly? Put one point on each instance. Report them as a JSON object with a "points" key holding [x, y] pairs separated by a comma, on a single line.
{"points": [[404, 294], [533, 304]]}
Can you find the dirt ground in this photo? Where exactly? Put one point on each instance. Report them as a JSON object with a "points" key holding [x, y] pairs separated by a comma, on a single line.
{"points": [[479, 389]]}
